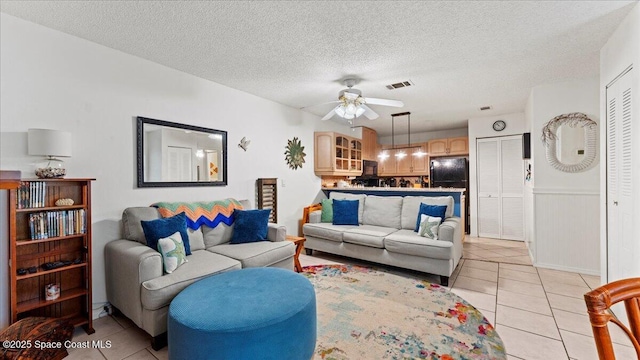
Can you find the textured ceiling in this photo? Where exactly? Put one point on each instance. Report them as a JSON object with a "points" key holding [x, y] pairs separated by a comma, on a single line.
{"points": [[460, 55]]}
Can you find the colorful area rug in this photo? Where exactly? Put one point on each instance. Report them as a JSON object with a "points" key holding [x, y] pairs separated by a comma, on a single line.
{"points": [[366, 313]]}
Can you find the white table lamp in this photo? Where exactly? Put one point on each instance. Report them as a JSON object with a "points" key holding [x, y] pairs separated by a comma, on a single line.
{"points": [[52, 144]]}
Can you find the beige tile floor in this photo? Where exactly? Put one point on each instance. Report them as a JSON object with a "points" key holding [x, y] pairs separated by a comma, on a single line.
{"points": [[539, 313]]}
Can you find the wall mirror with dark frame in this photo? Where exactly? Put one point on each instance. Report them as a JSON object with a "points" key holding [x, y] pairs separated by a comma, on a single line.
{"points": [[171, 154]]}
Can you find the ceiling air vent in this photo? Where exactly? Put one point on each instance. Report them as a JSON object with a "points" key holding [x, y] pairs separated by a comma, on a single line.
{"points": [[485, 108], [400, 85]]}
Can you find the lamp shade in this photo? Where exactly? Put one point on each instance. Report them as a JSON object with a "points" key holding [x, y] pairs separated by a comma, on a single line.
{"points": [[49, 142]]}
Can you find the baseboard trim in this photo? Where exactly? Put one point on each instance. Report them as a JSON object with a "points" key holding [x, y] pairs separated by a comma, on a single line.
{"points": [[567, 268]]}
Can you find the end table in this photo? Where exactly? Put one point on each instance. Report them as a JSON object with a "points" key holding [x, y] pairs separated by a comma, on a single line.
{"points": [[299, 242]]}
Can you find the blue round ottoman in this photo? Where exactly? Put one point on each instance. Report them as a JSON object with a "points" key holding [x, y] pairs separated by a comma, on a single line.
{"points": [[257, 313]]}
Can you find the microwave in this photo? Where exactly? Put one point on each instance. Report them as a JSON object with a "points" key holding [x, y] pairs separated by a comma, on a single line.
{"points": [[369, 169]]}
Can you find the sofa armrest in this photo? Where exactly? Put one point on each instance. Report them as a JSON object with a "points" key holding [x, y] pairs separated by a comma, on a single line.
{"points": [[127, 265], [450, 229], [315, 216], [276, 232]]}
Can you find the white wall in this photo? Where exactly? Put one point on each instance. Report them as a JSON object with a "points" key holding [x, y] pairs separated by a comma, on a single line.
{"points": [[54, 80], [621, 51], [565, 205], [482, 127]]}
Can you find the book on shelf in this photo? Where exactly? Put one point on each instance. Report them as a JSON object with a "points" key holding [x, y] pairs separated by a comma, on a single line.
{"points": [[49, 224], [31, 194]]}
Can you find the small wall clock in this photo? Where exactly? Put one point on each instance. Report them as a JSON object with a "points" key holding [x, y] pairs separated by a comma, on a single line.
{"points": [[499, 125]]}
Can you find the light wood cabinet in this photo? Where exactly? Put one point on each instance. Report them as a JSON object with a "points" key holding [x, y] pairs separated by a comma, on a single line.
{"points": [[449, 146], [337, 154], [369, 144], [387, 163], [51, 244], [407, 165]]}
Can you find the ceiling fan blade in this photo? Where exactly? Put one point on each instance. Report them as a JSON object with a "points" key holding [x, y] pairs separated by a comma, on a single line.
{"points": [[370, 114], [384, 102], [324, 103], [330, 114]]}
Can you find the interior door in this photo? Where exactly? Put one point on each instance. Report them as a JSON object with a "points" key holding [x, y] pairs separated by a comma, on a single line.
{"points": [[623, 258], [511, 189], [488, 188], [500, 176], [179, 163]]}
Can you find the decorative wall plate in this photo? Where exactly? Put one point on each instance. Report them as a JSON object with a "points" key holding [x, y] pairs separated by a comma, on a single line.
{"points": [[294, 155]]}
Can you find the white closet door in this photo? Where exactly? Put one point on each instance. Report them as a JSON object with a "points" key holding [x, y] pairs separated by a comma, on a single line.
{"points": [[500, 174], [623, 254], [179, 163], [512, 188], [488, 170]]}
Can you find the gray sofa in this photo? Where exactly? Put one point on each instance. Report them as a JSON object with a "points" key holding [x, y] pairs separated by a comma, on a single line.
{"points": [[386, 234], [137, 287]]}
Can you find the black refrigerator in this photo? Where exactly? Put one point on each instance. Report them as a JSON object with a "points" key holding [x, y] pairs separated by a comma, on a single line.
{"points": [[452, 173]]}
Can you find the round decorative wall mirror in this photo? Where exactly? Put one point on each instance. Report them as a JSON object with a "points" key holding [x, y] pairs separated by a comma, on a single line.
{"points": [[570, 142]]}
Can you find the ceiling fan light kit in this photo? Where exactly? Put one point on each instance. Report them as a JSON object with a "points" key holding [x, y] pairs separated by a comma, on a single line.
{"points": [[351, 103]]}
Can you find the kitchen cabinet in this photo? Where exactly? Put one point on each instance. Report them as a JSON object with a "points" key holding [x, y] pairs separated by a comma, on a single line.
{"points": [[337, 154], [449, 146], [407, 165], [387, 163], [369, 144]]}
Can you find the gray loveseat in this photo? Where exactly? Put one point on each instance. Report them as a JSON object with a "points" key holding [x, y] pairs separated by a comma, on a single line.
{"points": [[386, 234], [137, 287]]}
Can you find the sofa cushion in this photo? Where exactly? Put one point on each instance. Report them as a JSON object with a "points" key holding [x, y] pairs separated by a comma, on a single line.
{"points": [[131, 226], [438, 211], [429, 226], [326, 215], [345, 212], [409, 242], [383, 211], [173, 253], [411, 206], [220, 234], [196, 239], [368, 235], [325, 231], [164, 227], [250, 226], [157, 293], [256, 254], [344, 196]]}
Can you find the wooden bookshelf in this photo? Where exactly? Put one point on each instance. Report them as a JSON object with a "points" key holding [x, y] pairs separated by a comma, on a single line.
{"points": [[28, 290]]}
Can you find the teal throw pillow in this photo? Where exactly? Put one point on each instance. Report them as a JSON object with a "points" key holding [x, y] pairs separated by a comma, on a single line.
{"points": [[173, 252], [345, 212], [154, 230], [250, 225], [429, 226], [431, 210], [327, 211]]}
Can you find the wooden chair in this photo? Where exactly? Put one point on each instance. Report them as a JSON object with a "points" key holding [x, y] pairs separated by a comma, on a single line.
{"points": [[598, 303]]}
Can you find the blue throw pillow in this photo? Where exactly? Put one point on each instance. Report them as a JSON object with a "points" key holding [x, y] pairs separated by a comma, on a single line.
{"points": [[155, 230], [431, 210], [345, 212], [250, 226]]}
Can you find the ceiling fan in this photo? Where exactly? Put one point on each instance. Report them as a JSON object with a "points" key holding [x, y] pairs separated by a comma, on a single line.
{"points": [[352, 104]]}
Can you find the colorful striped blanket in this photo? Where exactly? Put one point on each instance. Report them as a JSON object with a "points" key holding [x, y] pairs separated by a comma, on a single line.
{"points": [[201, 213]]}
